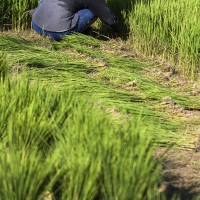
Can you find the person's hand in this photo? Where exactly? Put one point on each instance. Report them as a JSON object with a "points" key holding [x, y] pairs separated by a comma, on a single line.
{"points": [[116, 35]]}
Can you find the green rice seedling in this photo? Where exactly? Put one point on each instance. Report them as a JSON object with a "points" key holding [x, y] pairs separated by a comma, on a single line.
{"points": [[126, 174], [98, 159], [23, 176], [30, 116], [77, 152], [4, 66], [169, 29], [78, 171], [15, 14]]}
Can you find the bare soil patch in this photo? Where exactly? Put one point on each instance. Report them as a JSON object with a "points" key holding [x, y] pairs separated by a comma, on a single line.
{"points": [[181, 170]]}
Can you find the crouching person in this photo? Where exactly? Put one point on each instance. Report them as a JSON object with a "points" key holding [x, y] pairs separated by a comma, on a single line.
{"points": [[57, 18]]}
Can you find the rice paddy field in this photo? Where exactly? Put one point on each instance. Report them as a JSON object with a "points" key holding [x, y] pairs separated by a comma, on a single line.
{"points": [[93, 118]]}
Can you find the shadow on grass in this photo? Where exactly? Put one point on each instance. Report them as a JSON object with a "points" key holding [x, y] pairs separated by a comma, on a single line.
{"points": [[37, 64], [184, 193], [13, 43]]}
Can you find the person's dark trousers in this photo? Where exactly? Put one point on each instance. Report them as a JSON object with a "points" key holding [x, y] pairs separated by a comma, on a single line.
{"points": [[86, 18]]}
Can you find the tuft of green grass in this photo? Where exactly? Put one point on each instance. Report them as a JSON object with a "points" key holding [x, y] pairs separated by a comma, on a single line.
{"points": [[63, 142], [169, 29], [15, 14], [23, 176]]}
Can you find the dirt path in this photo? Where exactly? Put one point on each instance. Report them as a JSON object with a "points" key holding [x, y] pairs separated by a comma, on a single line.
{"points": [[182, 173]]}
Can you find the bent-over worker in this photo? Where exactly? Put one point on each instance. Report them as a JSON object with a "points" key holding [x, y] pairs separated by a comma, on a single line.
{"points": [[57, 18]]}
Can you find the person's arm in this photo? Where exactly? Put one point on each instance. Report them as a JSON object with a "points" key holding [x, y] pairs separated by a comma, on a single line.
{"points": [[101, 10]]}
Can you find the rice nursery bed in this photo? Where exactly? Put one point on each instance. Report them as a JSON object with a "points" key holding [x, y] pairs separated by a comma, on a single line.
{"points": [[102, 119], [81, 121]]}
